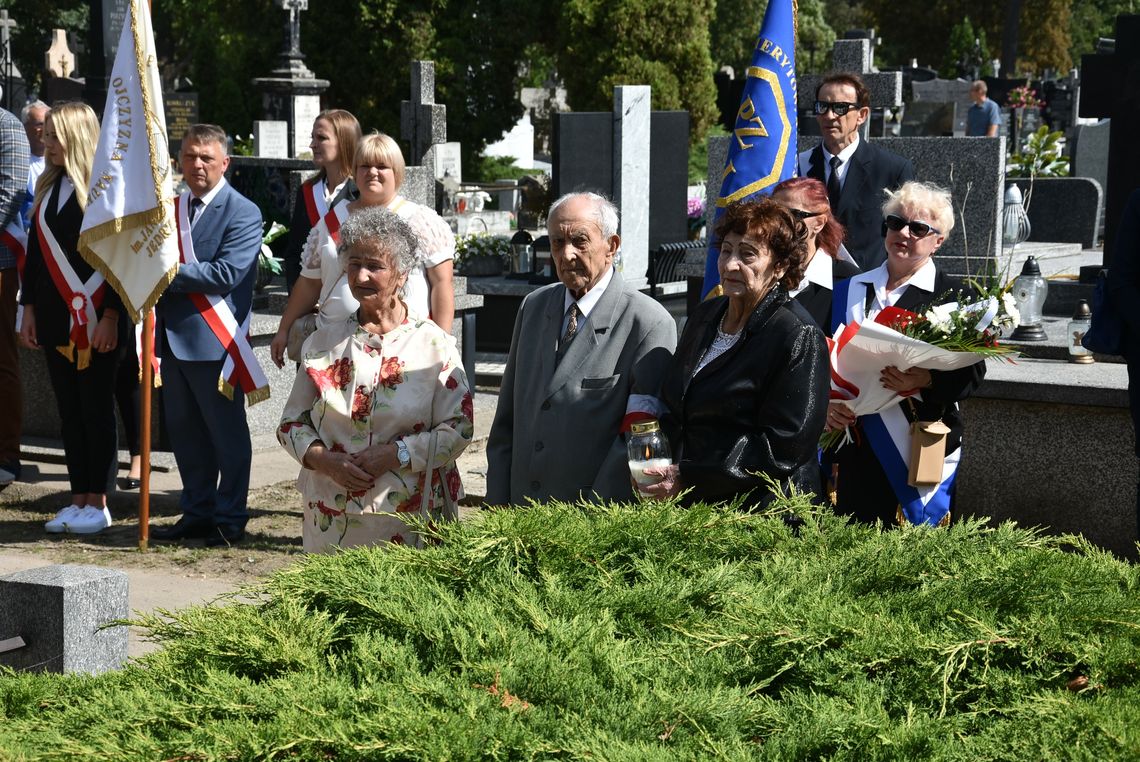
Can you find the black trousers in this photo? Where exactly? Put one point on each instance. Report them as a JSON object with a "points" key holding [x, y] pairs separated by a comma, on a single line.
{"points": [[127, 396], [86, 402]]}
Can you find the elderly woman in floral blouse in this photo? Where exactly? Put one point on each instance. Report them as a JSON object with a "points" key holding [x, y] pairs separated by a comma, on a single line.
{"points": [[380, 401]]}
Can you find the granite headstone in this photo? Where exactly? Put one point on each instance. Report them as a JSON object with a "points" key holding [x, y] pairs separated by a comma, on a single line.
{"points": [[61, 613]]}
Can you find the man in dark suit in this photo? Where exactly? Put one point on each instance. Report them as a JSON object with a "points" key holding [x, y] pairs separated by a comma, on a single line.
{"points": [[854, 170], [586, 358], [208, 430]]}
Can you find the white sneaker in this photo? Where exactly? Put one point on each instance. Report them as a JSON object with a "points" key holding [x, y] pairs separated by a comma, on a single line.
{"points": [[88, 520], [57, 524]]}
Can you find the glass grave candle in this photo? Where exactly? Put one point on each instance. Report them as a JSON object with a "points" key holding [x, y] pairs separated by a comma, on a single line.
{"points": [[647, 448]]}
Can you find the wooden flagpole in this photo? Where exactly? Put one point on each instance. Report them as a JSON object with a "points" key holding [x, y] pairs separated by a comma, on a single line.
{"points": [[146, 383]]}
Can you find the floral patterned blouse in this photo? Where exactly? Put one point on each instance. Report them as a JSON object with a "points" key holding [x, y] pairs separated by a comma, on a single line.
{"points": [[355, 389]]}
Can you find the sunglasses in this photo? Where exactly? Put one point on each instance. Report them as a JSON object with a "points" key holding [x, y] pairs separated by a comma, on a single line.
{"points": [[838, 108], [918, 228], [801, 214]]}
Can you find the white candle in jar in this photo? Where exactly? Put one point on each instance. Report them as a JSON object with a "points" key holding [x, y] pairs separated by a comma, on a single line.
{"points": [[637, 469]]}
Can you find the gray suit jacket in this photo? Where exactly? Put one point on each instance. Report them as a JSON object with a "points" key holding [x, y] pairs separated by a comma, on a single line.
{"points": [[556, 429]]}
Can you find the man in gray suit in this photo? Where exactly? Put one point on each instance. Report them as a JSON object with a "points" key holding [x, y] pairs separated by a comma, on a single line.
{"points": [[586, 357]]}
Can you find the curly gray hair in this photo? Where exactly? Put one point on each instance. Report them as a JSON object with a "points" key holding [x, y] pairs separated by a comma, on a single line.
{"points": [[376, 226]]}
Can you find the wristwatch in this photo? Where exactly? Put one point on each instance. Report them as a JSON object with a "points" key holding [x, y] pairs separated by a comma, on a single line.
{"points": [[402, 454]]}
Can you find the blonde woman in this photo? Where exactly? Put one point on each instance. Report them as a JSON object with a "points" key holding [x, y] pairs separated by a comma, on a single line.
{"points": [[75, 317], [428, 292]]}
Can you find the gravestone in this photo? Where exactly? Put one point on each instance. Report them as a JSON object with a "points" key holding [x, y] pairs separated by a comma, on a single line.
{"points": [[584, 159], [271, 139], [181, 111], [60, 613], [105, 28], [447, 161], [884, 88], [922, 119], [973, 170], [292, 93], [956, 91], [1063, 209], [1090, 153], [423, 122], [631, 178], [1110, 87], [59, 61]]}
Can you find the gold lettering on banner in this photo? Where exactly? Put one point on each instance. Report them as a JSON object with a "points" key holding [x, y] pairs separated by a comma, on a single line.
{"points": [[123, 109], [783, 61], [747, 114]]}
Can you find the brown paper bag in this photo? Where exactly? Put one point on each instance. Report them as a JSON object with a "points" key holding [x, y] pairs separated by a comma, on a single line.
{"points": [[927, 452]]}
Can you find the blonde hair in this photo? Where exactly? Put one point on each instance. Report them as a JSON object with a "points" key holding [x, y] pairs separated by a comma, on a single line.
{"points": [[77, 131], [926, 197], [379, 148]]}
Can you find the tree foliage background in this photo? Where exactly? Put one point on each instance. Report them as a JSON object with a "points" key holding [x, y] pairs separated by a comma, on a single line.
{"points": [[486, 50]]}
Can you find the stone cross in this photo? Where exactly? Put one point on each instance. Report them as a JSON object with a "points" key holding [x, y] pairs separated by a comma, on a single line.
{"points": [[59, 60], [423, 122], [6, 27], [855, 56], [293, 28], [1110, 87]]}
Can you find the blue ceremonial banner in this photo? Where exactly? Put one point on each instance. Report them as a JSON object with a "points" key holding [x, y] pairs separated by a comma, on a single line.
{"points": [[762, 149]]}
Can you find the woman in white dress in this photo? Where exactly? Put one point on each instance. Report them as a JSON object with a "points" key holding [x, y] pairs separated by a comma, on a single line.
{"points": [[380, 402]]}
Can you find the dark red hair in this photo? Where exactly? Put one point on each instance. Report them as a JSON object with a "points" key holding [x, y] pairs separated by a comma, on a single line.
{"points": [[779, 230], [833, 232]]}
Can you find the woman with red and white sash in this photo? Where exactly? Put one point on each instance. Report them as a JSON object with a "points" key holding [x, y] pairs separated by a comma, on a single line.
{"points": [[333, 143], [76, 317], [428, 292], [873, 469]]}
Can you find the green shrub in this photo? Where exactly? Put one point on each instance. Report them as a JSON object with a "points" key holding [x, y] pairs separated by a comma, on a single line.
{"points": [[632, 632]]}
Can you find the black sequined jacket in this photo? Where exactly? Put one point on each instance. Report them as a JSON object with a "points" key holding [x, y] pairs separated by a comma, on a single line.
{"points": [[758, 408]]}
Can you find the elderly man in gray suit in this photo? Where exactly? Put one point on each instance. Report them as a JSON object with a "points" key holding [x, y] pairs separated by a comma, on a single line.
{"points": [[586, 359]]}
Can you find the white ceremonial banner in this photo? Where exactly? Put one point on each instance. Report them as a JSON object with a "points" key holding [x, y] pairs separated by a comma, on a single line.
{"points": [[128, 230]]}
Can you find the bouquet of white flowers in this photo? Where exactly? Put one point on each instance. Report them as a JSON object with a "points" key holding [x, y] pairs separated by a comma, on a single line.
{"points": [[948, 337]]}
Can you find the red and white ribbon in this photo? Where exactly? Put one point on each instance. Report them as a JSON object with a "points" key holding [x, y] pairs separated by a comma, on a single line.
{"points": [[315, 206], [241, 369], [82, 299]]}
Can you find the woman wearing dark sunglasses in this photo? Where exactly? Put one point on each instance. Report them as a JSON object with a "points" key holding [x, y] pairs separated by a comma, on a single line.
{"points": [[917, 219], [827, 260]]}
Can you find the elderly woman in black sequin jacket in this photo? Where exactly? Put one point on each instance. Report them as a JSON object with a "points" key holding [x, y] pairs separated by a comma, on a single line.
{"points": [[747, 389]]}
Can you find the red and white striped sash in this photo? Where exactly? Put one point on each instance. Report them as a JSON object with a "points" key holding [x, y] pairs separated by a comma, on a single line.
{"points": [[82, 299], [315, 206], [241, 369]]}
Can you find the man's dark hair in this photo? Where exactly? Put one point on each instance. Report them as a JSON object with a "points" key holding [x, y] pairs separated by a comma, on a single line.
{"points": [[862, 94], [207, 133]]}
